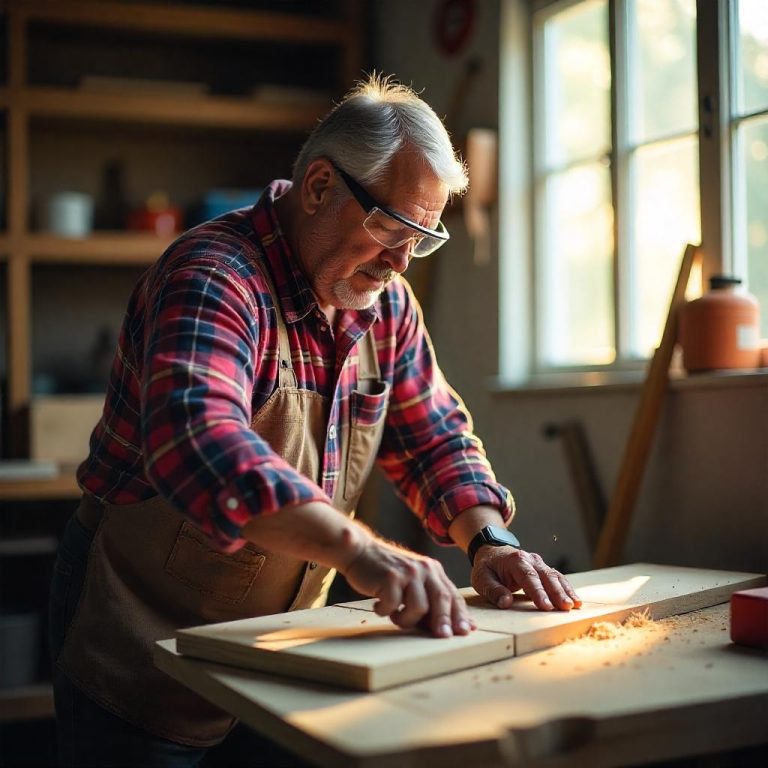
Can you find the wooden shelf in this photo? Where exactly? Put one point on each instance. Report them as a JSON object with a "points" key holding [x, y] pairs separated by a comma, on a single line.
{"points": [[107, 248], [33, 95], [190, 20], [30, 702], [183, 110], [62, 487], [19, 546]]}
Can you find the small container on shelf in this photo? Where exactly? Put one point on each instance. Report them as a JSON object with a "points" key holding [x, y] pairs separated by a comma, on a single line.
{"points": [[70, 214], [721, 329], [158, 216]]}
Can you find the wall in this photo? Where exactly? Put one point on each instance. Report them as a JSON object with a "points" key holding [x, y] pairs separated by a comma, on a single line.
{"points": [[704, 500]]}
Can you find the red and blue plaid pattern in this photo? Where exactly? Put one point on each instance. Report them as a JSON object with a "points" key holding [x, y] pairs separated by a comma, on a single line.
{"points": [[198, 357]]}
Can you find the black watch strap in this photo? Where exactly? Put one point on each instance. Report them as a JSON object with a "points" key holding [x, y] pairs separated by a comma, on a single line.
{"points": [[495, 537]]}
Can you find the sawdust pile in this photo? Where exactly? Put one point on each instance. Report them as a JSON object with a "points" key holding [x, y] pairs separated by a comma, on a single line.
{"points": [[608, 630]]}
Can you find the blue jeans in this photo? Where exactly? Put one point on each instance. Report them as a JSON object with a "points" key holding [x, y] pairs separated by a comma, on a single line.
{"points": [[89, 736]]}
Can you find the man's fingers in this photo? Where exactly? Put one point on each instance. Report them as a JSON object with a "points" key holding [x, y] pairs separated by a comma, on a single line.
{"points": [[569, 590], [390, 598], [450, 615], [463, 623], [493, 590], [414, 605], [498, 573]]}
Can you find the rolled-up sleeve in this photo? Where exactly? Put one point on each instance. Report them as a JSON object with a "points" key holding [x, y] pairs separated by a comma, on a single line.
{"points": [[201, 347], [430, 452]]}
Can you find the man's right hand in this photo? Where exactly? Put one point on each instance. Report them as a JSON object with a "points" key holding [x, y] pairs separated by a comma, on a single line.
{"points": [[413, 590]]}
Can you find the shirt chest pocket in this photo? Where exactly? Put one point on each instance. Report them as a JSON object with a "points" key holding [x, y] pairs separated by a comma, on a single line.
{"points": [[367, 417]]}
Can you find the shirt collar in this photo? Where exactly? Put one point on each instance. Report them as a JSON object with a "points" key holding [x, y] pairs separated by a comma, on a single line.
{"points": [[297, 299]]}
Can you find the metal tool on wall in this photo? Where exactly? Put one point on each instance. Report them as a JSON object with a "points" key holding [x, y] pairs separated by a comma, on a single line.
{"points": [[581, 467]]}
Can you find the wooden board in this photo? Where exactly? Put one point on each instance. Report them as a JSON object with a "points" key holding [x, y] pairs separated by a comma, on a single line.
{"points": [[341, 646], [675, 688], [350, 646], [609, 594]]}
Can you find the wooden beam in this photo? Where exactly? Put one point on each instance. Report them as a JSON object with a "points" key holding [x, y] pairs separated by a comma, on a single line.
{"points": [[129, 107], [616, 526], [190, 20]]}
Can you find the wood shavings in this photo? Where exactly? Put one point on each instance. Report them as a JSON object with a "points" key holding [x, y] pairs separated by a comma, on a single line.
{"points": [[602, 630], [608, 630]]}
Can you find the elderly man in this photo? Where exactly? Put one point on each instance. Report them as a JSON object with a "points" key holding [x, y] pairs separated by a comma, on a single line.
{"points": [[265, 362]]}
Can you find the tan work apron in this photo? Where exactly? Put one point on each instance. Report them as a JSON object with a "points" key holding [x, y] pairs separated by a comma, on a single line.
{"points": [[151, 572]]}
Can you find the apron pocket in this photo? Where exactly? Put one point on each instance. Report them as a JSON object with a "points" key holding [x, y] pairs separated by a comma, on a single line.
{"points": [[368, 414], [224, 577], [67, 582]]}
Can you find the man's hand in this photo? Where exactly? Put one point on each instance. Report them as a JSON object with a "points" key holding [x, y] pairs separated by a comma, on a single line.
{"points": [[500, 571], [411, 589]]}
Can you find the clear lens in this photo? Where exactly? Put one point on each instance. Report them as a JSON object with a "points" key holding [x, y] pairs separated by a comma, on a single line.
{"points": [[391, 233]]}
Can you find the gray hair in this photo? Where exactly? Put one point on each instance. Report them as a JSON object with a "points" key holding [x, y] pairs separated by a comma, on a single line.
{"points": [[378, 117]]}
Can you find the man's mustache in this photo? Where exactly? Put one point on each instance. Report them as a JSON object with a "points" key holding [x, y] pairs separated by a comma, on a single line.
{"points": [[385, 274]]}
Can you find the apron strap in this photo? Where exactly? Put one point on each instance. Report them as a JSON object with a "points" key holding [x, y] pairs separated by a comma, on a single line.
{"points": [[286, 374], [368, 362]]}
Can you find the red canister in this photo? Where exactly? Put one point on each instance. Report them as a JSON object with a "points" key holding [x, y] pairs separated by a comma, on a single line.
{"points": [[721, 329]]}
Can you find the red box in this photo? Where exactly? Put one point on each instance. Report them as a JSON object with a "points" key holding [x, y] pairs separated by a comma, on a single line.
{"points": [[749, 617]]}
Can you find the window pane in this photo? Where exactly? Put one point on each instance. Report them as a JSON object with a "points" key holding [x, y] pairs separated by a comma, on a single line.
{"points": [[576, 295], [576, 83], [662, 68], [754, 162], [752, 72], [666, 217]]}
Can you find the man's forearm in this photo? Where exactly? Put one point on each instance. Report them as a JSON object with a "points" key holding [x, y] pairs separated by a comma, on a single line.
{"points": [[313, 531], [463, 529]]}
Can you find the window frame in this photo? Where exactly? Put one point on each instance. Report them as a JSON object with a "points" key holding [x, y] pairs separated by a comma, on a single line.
{"points": [[717, 124]]}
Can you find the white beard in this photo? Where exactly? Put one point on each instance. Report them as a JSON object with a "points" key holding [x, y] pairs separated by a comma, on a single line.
{"points": [[349, 298]]}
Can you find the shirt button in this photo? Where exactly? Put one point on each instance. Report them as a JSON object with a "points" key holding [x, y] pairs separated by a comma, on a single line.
{"points": [[232, 503], [332, 431], [312, 565]]}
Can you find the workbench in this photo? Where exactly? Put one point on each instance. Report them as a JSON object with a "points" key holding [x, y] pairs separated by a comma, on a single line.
{"points": [[619, 695]]}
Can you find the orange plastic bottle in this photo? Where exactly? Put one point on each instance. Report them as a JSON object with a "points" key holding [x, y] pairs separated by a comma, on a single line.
{"points": [[721, 329]]}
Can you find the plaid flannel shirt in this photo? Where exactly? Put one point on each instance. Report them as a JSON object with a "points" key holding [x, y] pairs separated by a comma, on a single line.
{"points": [[198, 356]]}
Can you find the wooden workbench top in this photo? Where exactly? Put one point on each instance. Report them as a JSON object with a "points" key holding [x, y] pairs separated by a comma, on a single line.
{"points": [[678, 678]]}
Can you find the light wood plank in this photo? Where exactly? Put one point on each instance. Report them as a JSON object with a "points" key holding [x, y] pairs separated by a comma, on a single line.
{"points": [[341, 646], [609, 594], [349, 645]]}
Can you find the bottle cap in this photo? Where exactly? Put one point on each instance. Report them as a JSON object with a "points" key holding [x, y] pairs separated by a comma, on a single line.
{"points": [[723, 281]]}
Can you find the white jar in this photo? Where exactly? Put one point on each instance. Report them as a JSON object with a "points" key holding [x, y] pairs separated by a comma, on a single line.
{"points": [[70, 214]]}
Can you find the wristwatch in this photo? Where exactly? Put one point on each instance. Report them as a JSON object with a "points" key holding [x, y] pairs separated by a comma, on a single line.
{"points": [[495, 537]]}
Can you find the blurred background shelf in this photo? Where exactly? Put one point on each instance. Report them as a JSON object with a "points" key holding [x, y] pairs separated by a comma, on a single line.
{"points": [[26, 703], [125, 248]]}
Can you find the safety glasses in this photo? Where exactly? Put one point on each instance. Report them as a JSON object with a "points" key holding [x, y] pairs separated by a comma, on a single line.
{"points": [[389, 228]]}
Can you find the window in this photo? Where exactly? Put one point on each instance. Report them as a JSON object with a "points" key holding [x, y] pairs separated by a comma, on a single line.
{"points": [[618, 165], [749, 137]]}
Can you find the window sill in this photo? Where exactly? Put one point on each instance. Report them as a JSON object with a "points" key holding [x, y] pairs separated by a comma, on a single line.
{"points": [[624, 381]]}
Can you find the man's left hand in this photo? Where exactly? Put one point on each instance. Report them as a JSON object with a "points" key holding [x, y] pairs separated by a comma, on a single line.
{"points": [[500, 571]]}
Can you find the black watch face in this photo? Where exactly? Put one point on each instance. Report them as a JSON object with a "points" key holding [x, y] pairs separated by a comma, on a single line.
{"points": [[502, 536]]}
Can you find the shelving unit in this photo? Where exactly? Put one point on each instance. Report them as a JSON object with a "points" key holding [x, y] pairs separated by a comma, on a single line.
{"points": [[38, 112], [23, 102]]}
